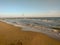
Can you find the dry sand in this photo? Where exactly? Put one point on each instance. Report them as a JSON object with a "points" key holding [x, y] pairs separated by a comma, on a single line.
{"points": [[11, 35]]}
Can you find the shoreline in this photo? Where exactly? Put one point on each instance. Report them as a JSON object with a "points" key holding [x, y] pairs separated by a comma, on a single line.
{"points": [[45, 31], [11, 34]]}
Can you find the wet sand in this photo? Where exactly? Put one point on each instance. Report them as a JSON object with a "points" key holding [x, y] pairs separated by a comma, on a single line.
{"points": [[11, 35]]}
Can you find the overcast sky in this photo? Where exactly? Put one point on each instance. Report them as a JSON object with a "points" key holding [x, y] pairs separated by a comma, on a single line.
{"points": [[30, 8]]}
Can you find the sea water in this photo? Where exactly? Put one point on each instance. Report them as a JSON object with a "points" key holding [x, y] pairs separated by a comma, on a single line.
{"points": [[42, 21]]}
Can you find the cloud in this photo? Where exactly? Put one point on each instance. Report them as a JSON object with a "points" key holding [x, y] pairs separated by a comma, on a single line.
{"points": [[50, 13], [54, 13]]}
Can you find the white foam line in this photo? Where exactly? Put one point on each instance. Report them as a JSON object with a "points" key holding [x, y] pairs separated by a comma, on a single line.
{"points": [[17, 25]]}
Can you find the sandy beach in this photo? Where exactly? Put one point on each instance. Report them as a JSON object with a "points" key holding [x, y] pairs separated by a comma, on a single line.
{"points": [[11, 35]]}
